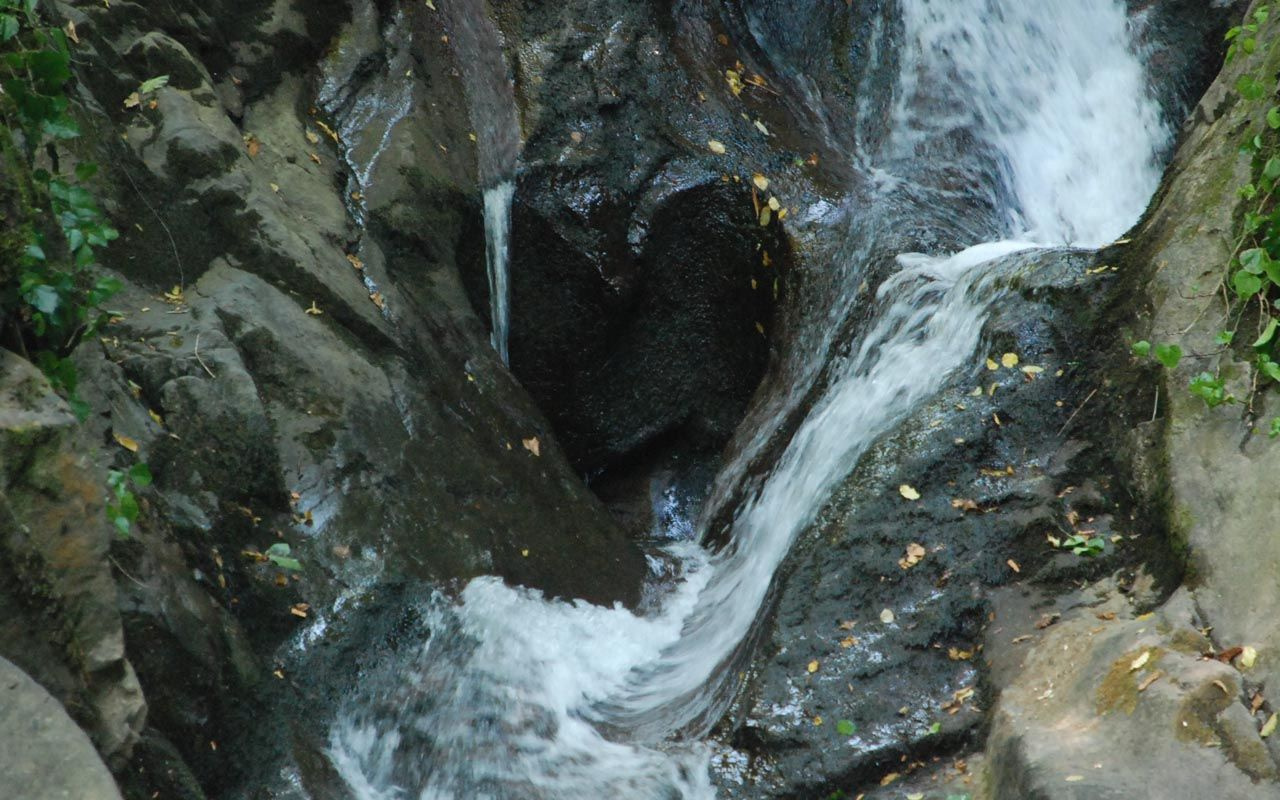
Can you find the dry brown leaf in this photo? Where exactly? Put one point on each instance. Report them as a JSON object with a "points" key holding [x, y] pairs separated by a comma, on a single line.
{"points": [[532, 445], [1150, 679], [956, 654], [126, 443], [716, 147], [964, 504], [908, 492], [252, 145], [761, 182], [299, 610], [70, 30], [1013, 565]]}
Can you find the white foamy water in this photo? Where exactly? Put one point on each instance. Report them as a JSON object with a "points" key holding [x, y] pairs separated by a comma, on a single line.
{"points": [[497, 232], [520, 697]]}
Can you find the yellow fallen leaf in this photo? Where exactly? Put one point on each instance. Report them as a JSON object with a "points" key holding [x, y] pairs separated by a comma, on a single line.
{"points": [[956, 654], [1247, 656], [70, 30], [766, 216], [1269, 727], [1141, 661], [848, 641], [1074, 778], [312, 137], [774, 204], [992, 365], [716, 147], [1013, 565], [887, 617], [126, 443], [1030, 370], [761, 182], [908, 492], [890, 778], [531, 444], [817, 720], [133, 100], [299, 610], [1009, 360], [525, 552], [431, 5], [314, 310], [760, 127], [813, 667]]}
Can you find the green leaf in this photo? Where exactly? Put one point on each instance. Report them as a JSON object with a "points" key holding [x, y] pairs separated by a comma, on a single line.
{"points": [[1268, 334], [8, 27], [1275, 428], [1254, 260], [1141, 349], [1250, 88], [286, 563], [140, 474], [86, 170], [121, 522], [1224, 337], [279, 549], [1246, 284], [1168, 354], [845, 727], [1273, 117], [151, 84], [44, 299], [935, 728], [1272, 168]]}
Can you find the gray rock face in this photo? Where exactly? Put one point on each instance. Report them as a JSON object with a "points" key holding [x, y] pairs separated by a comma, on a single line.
{"points": [[43, 753], [58, 616]]}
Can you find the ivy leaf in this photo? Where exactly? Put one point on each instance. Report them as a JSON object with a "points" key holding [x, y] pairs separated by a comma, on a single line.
{"points": [[1254, 260], [1250, 88], [140, 474], [8, 27], [1267, 335], [845, 727], [1141, 349], [1273, 117], [1246, 284], [1168, 354]]}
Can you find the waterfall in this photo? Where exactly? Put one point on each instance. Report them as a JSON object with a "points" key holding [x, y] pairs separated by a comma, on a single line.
{"points": [[517, 696], [497, 230]]}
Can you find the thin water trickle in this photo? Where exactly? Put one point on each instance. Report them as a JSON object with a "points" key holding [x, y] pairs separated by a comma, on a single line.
{"points": [[516, 696], [497, 232]]}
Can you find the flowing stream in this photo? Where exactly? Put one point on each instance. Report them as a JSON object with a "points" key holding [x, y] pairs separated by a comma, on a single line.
{"points": [[516, 696]]}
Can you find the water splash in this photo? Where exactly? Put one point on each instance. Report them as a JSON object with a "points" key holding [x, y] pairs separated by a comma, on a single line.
{"points": [[516, 696]]}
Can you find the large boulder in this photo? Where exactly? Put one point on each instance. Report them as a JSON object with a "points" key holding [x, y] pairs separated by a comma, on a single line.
{"points": [[43, 753]]}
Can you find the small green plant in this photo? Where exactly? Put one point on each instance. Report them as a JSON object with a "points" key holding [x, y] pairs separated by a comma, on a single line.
{"points": [[1085, 545], [846, 727], [122, 510], [280, 555]]}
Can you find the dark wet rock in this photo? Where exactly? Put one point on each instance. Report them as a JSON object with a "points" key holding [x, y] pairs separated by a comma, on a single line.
{"points": [[1003, 462], [44, 753]]}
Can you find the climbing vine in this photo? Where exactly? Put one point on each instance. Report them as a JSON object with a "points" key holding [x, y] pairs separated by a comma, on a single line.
{"points": [[1252, 273], [56, 299], [51, 296]]}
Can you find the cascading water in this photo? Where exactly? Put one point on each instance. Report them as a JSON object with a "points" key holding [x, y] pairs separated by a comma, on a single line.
{"points": [[515, 696], [497, 230]]}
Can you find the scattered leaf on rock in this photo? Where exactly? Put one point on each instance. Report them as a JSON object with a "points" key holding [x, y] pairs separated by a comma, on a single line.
{"points": [[1013, 565], [1248, 655], [1269, 727], [1150, 679], [314, 310], [532, 445], [964, 504], [126, 443], [1141, 661], [813, 667], [956, 654], [1009, 360], [890, 778], [915, 553], [992, 365], [908, 492], [761, 182], [887, 617], [716, 147], [299, 610]]}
